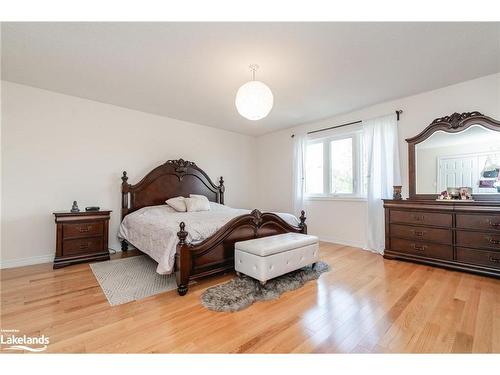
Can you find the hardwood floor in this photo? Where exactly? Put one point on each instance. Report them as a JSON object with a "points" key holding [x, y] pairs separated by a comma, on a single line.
{"points": [[364, 304]]}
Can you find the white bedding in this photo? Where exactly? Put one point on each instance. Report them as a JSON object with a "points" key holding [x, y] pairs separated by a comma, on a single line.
{"points": [[154, 229]]}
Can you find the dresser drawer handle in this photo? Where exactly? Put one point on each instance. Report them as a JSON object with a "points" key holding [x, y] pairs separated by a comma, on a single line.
{"points": [[494, 225], [84, 246], [494, 260], [418, 248], [418, 217], [85, 229], [418, 233], [492, 241]]}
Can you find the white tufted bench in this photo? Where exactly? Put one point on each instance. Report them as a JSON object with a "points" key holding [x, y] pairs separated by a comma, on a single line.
{"points": [[268, 257]]}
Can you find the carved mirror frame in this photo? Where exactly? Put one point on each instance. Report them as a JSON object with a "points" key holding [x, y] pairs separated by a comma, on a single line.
{"points": [[455, 123]]}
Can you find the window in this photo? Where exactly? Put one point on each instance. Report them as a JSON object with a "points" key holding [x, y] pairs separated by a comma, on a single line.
{"points": [[335, 167]]}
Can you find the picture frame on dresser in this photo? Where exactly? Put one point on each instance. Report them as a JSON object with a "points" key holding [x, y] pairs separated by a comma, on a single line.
{"points": [[462, 235]]}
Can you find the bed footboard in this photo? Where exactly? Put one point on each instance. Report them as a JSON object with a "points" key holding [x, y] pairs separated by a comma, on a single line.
{"points": [[216, 253]]}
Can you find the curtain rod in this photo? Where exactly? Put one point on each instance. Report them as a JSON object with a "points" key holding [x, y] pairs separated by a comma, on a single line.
{"points": [[398, 112]]}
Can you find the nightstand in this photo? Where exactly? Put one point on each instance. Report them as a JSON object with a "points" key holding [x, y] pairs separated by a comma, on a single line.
{"points": [[81, 237]]}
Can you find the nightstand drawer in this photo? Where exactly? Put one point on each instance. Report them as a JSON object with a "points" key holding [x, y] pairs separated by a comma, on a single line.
{"points": [[95, 228], [82, 246]]}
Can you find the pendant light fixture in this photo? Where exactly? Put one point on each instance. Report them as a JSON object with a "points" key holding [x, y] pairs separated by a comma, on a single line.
{"points": [[254, 100]]}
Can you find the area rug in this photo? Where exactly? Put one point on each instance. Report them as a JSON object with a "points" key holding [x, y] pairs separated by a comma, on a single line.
{"points": [[239, 293], [131, 279]]}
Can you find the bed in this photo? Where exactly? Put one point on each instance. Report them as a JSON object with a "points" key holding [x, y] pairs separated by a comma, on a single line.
{"points": [[208, 248]]}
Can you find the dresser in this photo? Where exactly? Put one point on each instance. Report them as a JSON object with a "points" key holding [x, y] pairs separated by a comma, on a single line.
{"points": [[81, 237], [455, 156], [458, 235]]}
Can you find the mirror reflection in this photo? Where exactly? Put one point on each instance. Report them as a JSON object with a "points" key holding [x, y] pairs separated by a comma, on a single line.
{"points": [[459, 162]]}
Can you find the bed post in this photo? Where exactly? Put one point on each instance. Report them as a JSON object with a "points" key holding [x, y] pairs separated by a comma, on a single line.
{"points": [[221, 190], [125, 191], [182, 261], [302, 224]]}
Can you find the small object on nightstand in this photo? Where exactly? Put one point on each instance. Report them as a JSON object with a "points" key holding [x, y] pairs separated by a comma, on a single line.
{"points": [[74, 207], [92, 208], [397, 192], [81, 237]]}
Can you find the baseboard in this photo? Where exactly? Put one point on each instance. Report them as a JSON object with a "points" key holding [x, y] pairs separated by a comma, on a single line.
{"points": [[39, 259], [343, 242], [21, 262]]}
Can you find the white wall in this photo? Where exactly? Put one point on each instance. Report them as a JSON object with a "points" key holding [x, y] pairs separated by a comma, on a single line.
{"points": [[58, 148], [343, 221]]}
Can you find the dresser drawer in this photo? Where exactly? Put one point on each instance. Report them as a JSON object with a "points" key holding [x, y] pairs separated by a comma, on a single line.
{"points": [[82, 246], [487, 222], [422, 233], [420, 217], [424, 249], [95, 228], [479, 257], [478, 239]]}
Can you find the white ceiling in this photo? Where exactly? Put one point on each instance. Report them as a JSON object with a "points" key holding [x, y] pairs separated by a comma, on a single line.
{"points": [[191, 71]]}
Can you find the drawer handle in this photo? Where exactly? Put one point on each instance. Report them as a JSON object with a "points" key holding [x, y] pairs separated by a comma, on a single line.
{"points": [[418, 248], [494, 225], [492, 240], [494, 260], [84, 246], [418, 233], [418, 217], [85, 229]]}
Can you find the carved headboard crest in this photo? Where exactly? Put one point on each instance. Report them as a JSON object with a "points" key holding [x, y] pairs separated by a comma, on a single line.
{"points": [[181, 165]]}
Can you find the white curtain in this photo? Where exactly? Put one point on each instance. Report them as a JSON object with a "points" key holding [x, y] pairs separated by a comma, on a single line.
{"points": [[380, 136], [299, 160]]}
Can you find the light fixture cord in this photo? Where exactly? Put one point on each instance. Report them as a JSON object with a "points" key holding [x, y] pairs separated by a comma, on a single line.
{"points": [[253, 68]]}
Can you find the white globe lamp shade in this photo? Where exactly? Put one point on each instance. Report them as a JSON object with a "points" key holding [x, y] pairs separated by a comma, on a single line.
{"points": [[254, 100]]}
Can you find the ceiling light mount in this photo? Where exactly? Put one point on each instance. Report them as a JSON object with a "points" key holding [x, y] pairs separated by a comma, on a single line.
{"points": [[253, 68]]}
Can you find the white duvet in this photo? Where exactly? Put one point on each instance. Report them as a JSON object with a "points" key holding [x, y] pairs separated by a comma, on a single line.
{"points": [[153, 230]]}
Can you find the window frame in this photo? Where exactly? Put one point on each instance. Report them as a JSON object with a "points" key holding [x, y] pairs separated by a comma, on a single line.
{"points": [[359, 193]]}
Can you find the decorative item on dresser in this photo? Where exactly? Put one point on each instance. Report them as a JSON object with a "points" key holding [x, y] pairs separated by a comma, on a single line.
{"points": [[81, 237], [453, 233]]}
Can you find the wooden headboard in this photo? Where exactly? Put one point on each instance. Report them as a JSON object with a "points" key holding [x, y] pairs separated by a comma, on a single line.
{"points": [[172, 179]]}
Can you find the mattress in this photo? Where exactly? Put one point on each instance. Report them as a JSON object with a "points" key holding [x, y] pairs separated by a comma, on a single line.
{"points": [[153, 230]]}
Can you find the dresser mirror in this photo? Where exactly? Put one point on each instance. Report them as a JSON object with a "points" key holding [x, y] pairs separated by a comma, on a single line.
{"points": [[457, 155]]}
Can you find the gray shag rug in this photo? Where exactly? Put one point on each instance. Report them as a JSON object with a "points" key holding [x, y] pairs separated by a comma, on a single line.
{"points": [[131, 279], [240, 293]]}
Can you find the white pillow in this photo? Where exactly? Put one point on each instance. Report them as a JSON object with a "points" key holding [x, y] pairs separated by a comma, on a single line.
{"points": [[177, 203], [197, 203]]}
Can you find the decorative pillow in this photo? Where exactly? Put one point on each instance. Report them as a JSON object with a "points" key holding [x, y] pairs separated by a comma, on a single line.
{"points": [[177, 203], [197, 203]]}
